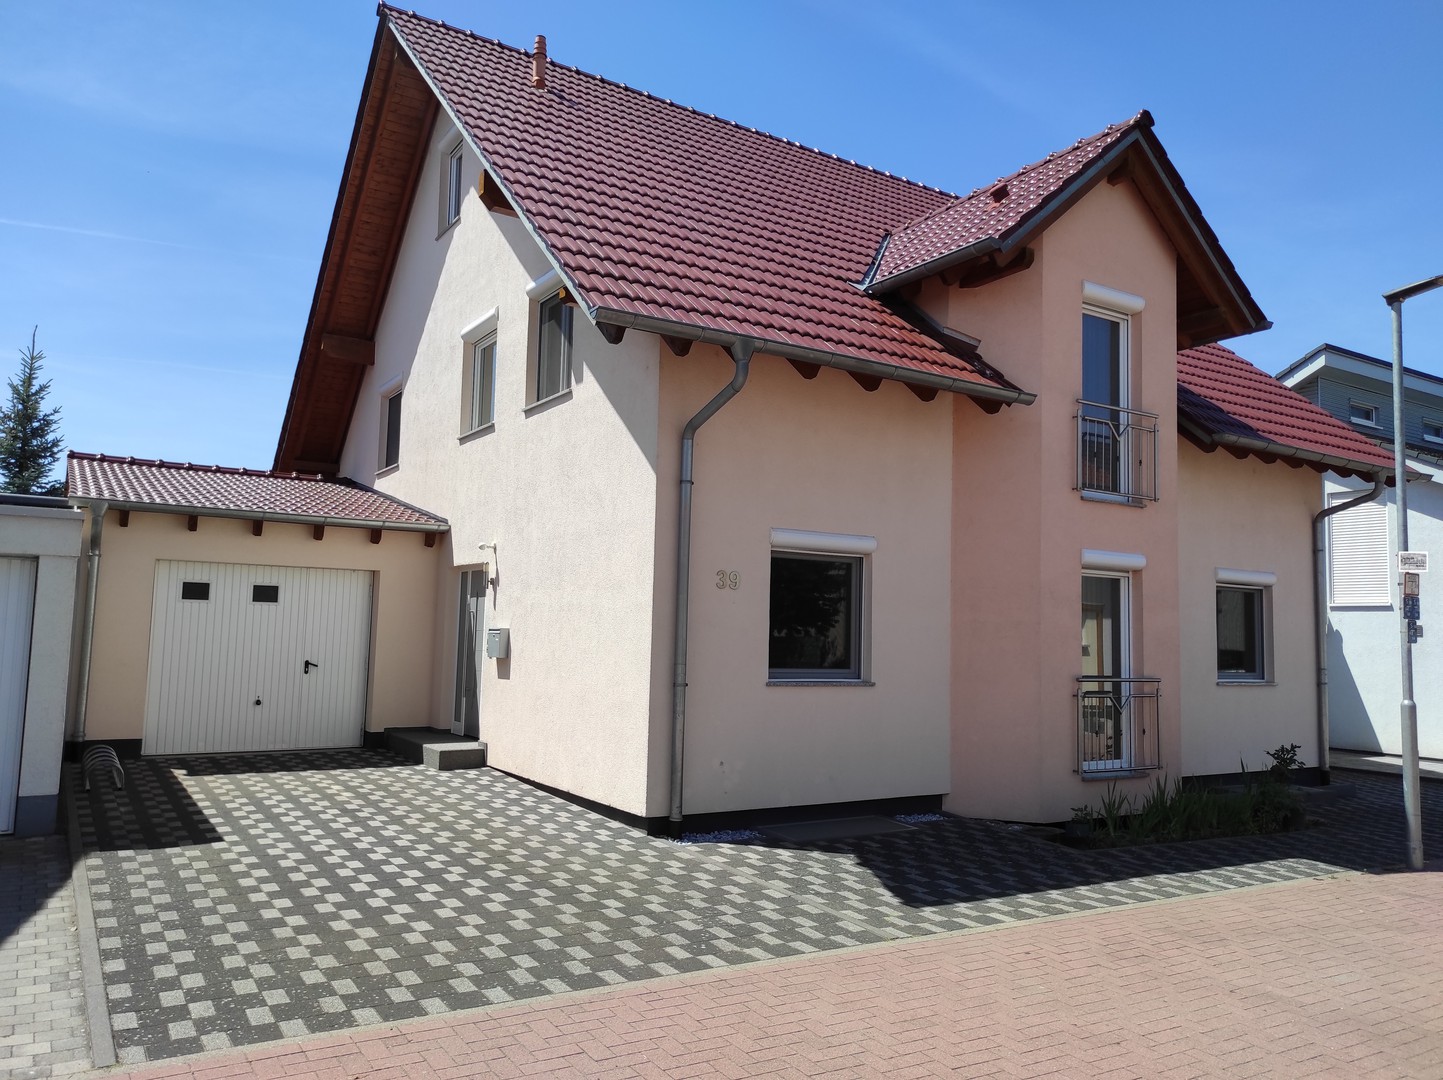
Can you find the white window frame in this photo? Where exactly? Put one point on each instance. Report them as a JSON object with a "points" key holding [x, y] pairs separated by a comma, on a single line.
{"points": [[1437, 426], [481, 333], [1115, 306], [1119, 569], [568, 341], [392, 389], [804, 543], [453, 185], [1259, 583], [1377, 591], [1371, 420]]}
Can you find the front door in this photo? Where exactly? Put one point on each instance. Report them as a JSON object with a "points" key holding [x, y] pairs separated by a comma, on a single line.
{"points": [[1105, 663], [470, 649]]}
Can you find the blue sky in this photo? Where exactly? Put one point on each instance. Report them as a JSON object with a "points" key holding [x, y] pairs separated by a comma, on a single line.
{"points": [[173, 166]]}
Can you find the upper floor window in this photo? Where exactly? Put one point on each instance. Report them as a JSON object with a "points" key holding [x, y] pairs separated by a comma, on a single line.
{"points": [[1359, 563], [1116, 444], [1242, 633], [553, 348], [452, 188], [481, 385], [1432, 431], [390, 429], [1359, 413]]}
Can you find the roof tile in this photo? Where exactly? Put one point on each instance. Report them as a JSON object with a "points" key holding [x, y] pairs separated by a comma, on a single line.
{"points": [[179, 485]]}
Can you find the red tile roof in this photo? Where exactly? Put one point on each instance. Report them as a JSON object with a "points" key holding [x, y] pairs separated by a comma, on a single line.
{"points": [[170, 486], [658, 212], [995, 211], [1225, 401]]}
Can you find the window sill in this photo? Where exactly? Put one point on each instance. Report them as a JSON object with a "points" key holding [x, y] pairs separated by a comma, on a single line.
{"points": [[1247, 682], [476, 433], [1115, 774], [547, 402], [820, 682], [447, 228], [1364, 423], [388, 470], [1112, 497]]}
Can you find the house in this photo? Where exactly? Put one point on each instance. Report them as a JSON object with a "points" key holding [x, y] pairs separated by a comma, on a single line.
{"points": [[1363, 637], [759, 478]]}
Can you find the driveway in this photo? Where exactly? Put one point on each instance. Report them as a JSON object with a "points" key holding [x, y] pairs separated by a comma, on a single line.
{"points": [[244, 899]]}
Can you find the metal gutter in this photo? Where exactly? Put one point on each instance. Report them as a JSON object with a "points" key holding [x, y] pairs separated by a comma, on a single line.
{"points": [[1266, 446], [265, 515], [1320, 618], [51, 502], [741, 353], [87, 627], [893, 372]]}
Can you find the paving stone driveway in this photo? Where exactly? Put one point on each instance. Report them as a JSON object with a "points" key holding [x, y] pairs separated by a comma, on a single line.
{"points": [[243, 899]]}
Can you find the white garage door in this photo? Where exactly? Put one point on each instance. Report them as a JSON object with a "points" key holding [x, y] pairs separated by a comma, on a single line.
{"points": [[256, 658], [17, 606]]}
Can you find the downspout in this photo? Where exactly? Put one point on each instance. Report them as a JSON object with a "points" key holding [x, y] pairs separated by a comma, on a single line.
{"points": [[741, 353], [87, 626], [1320, 617]]}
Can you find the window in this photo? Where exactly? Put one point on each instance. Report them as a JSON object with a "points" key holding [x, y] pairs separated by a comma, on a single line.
{"points": [[391, 430], [816, 617], [553, 355], [1366, 415], [1116, 444], [265, 594], [1358, 563], [195, 590], [481, 385], [1106, 665], [452, 191], [1432, 431], [1242, 634]]}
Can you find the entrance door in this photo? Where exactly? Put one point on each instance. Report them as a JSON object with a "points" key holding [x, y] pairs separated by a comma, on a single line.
{"points": [[17, 608], [470, 650], [1105, 655], [249, 657]]}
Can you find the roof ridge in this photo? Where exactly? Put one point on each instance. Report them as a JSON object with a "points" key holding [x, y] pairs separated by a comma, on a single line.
{"points": [[187, 466], [553, 62], [1141, 118]]}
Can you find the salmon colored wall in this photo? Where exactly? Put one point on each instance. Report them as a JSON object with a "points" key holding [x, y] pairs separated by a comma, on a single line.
{"points": [[402, 643], [1245, 515], [826, 456], [1019, 528]]}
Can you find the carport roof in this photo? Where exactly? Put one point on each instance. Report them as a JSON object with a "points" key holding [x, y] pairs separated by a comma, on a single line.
{"points": [[182, 488]]}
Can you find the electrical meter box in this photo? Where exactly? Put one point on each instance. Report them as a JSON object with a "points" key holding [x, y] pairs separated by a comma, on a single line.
{"points": [[498, 642]]}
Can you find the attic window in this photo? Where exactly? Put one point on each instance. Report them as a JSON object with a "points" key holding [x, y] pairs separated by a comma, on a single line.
{"points": [[1433, 431], [1365, 415], [452, 189]]}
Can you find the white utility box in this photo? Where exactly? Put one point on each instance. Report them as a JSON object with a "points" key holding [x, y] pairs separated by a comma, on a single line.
{"points": [[498, 642]]}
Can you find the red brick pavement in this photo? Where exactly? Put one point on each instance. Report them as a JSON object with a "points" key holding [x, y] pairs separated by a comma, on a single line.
{"points": [[1339, 976]]}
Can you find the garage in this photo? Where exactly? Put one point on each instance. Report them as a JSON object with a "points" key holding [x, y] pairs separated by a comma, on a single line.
{"points": [[253, 657]]}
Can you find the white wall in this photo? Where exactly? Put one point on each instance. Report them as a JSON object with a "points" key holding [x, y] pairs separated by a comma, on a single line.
{"points": [[53, 538], [1364, 669], [565, 491]]}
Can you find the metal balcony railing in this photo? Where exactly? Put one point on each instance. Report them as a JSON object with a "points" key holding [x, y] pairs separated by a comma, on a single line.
{"points": [[1117, 725], [1116, 451]]}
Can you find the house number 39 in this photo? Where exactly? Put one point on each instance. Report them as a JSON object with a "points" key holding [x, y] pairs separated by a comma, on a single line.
{"points": [[728, 579]]}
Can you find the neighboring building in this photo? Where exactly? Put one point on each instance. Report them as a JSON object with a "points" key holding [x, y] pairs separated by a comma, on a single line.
{"points": [[1363, 637], [960, 531], [39, 545]]}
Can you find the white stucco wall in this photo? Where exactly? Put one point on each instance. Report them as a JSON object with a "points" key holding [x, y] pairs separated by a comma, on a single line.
{"points": [[53, 538], [565, 491], [1364, 667], [1245, 515]]}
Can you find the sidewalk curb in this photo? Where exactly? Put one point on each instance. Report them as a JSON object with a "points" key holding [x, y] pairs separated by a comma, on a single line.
{"points": [[97, 1010]]}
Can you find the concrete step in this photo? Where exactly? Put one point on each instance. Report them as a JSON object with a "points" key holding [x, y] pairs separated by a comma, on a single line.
{"points": [[436, 749]]}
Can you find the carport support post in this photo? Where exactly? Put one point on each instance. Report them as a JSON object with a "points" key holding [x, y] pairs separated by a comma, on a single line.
{"points": [[87, 626], [741, 353]]}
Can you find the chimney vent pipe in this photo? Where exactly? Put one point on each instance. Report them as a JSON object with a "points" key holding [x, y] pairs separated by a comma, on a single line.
{"points": [[538, 63]]}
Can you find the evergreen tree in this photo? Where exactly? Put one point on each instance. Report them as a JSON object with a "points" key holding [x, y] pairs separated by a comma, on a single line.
{"points": [[30, 442]]}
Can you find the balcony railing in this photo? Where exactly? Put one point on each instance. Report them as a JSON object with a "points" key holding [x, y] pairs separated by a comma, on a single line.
{"points": [[1116, 451], [1117, 725]]}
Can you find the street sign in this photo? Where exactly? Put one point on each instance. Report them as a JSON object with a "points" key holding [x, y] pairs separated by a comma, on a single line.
{"points": [[1413, 562], [1412, 608], [1410, 584]]}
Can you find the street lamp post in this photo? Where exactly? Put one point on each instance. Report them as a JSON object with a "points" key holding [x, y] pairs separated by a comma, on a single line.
{"points": [[1409, 708]]}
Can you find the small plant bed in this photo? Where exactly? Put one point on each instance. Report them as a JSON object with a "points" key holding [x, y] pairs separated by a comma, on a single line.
{"points": [[1170, 812]]}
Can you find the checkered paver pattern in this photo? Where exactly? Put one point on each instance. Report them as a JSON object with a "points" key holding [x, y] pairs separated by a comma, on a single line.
{"points": [[1339, 977], [246, 899], [42, 999]]}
